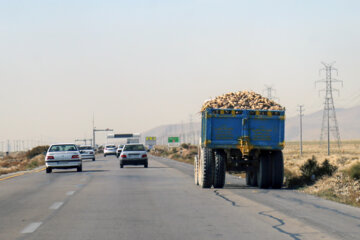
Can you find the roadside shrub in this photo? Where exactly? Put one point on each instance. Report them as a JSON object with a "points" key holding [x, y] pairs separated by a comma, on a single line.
{"points": [[33, 164], [325, 169], [354, 171], [309, 168], [292, 180], [185, 145], [36, 151], [310, 171]]}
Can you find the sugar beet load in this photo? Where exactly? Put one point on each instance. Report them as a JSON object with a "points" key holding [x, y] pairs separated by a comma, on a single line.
{"points": [[242, 100], [241, 132]]}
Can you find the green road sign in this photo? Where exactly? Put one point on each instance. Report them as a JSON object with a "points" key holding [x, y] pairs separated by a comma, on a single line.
{"points": [[173, 139]]}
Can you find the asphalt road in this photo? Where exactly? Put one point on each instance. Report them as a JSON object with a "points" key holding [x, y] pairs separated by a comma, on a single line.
{"points": [[160, 202]]}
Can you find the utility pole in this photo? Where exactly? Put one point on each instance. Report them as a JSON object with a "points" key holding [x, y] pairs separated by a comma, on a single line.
{"points": [[329, 114], [191, 129], [301, 110]]}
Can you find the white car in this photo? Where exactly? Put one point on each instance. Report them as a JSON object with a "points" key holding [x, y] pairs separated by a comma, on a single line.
{"points": [[133, 154], [119, 149], [110, 149], [87, 152], [63, 156]]}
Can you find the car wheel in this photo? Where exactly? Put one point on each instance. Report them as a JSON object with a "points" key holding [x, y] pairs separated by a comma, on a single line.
{"points": [[145, 165], [93, 159], [79, 168], [48, 170], [104, 155], [121, 166]]}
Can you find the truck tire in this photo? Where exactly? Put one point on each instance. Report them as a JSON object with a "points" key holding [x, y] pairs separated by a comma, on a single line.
{"points": [[277, 167], [206, 168], [196, 170], [251, 178], [219, 169], [264, 170]]}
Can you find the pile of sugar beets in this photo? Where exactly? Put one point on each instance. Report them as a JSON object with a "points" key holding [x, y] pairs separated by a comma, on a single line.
{"points": [[242, 100]]}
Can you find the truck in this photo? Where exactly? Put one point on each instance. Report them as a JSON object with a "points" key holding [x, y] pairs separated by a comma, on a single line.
{"points": [[237, 140]]}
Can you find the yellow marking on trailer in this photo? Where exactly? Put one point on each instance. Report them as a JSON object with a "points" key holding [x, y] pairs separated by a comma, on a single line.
{"points": [[257, 113], [269, 114], [222, 112], [282, 117]]}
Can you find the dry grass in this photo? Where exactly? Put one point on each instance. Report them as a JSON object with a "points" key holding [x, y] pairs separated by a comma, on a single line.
{"points": [[340, 186], [176, 153], [20, 162]]}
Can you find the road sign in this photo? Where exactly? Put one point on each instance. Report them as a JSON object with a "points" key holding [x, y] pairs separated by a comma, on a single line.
{"points": [[150, 141], [173, 139]]}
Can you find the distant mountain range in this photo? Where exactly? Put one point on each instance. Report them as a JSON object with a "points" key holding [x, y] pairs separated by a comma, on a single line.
{"points": [[348, 121]]}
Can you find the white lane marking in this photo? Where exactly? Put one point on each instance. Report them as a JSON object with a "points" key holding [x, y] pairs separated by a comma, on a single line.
{"points": [[70, 193], [31, 227], [56, 205]]}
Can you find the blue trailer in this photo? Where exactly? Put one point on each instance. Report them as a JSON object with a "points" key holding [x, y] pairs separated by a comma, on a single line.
{"points": [[241, 140]]}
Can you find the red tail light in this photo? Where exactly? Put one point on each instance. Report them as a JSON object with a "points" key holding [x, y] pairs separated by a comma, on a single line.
{"points": [[75, 156], [144, 156], [123, 156], [50, 157]]}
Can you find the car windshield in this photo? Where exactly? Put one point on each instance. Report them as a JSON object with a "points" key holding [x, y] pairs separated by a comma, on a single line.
{"points": [[121, 146], [134, 148], [62, 148], [111, 146], [85, 148]]}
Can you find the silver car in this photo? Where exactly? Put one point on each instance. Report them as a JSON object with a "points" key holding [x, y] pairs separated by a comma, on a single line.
{"points": [[110, 149], [119, 149], [87, 152], [133, 154], [63, 156]]}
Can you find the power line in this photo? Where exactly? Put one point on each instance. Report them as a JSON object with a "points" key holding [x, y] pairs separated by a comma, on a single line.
{"points": [[329, 122]]}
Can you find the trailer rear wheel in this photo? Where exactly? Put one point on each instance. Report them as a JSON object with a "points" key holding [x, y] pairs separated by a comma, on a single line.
{"points": [[206, 168], [251, 178], [277, 167], [196, 170], [219, 169], [264, 170]]}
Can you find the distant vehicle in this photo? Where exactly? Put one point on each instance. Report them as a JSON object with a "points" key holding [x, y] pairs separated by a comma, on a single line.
{"points": [[119, 149], [110, 149], [63, 156], [133, 154], [87, 152]]}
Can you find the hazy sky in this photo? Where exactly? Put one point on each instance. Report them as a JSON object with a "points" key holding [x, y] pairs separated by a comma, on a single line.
{"points": [[140, 64]]}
